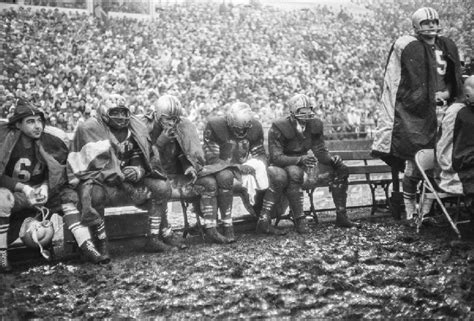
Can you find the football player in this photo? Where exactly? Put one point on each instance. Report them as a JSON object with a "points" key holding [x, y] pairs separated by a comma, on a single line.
{"points": [[33, 175], [422, 77], [237, 138], [110, 160], [295, 144], [182, 159]]}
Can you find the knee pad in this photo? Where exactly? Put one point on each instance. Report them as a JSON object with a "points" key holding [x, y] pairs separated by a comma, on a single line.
{"points": [[160, 189], [225, 179], [98, 196], [68, 195], [295, 174], [7, 200], [206, 186], [341, 173], [278, 178]]}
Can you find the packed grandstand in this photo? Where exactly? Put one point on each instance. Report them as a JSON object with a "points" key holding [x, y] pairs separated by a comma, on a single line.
{"points": [[210, 55]]}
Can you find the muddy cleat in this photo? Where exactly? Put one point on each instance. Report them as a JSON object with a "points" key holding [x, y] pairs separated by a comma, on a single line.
{"points": [[91, 254], [175, 241], [301, 225], [229, 233], [264, 226], [155, 245], [102, 246], [216, 237], [5, 266], [343, 221]]}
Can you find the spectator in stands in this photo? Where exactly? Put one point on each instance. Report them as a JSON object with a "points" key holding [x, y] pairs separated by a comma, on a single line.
{"points": [[63, 51], [110, 161], [181, 155], [422, 76], [237, 138], [296, 145], [455, 147], [32, 176]]}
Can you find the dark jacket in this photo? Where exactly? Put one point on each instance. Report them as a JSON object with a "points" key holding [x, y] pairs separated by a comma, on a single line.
{"points": [[408, 122], [219, 143], [188, 140], [286, 145], [52, 147]]}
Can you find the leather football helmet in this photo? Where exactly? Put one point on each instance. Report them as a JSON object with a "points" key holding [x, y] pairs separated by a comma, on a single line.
{"points": [[168, 111], [114, 112], [299, 102], [239, 119], [36, 234], [424, 14]]}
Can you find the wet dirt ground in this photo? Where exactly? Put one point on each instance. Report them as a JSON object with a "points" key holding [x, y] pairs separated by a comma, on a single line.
{"points": [[382, 270]]}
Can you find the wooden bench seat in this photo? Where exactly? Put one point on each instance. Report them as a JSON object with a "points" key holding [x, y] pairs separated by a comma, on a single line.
{"points": [[363, 170]]}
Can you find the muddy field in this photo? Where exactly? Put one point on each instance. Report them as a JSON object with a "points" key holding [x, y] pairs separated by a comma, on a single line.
{"points": [[382, 270]]}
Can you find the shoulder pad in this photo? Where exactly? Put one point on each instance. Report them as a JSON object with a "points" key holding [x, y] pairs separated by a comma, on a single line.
{"points": [[218, 125], [284, 126], [316, 126], [58, 133]]}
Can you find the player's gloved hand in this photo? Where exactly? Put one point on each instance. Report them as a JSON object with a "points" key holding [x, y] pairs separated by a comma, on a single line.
{"points": [[336, 161], [41, 194], [247, 170], [133, 173], [191, 173], [308, 160], [30, 194]]}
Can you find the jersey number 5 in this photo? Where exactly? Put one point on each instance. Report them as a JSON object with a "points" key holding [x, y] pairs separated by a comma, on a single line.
{"points": [[441, 63]]}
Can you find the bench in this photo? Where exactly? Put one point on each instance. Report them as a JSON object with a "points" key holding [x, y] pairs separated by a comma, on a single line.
{"points": [[130, 222], [363, 169]]}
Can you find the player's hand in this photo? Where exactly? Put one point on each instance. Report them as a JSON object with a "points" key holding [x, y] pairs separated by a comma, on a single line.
{"points": [[169, 133], [308, 161], [30, 194], [247, 170], [336, 161], [41, 194], [133, 173], [191, 173]]}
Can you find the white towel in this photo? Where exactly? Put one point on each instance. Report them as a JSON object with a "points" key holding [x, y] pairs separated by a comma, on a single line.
{"points": [[258, 182]]}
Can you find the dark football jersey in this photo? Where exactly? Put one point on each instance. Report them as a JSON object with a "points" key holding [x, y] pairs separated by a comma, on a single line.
{"points": [[128, 150], [25, 166], [441, 66]]}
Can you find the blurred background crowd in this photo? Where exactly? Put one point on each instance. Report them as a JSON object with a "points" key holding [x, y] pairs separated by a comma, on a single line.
{"points": [[212, 54]]}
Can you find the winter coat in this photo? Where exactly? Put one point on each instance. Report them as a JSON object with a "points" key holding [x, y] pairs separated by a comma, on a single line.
{"points": [[188, 140], [93, 157], [52, 147], [408, 122]]}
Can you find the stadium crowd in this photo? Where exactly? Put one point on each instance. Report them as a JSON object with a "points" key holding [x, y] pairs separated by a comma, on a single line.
{"points": [[210, 56]]}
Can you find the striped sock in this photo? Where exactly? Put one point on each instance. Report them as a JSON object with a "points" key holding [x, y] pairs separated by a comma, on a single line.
{"points": [[409, 200], [71, 219], [154, 225], [4, 225], [100, 231]]}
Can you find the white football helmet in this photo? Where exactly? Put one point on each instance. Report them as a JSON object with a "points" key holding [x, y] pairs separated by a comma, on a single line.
{"points": [[298, 102], [110, 103], [424, 14], [168, 111], [239, 119]]}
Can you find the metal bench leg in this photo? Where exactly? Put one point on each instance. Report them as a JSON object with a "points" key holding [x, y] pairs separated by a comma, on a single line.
{"points": [[184, 207], [312, 208], [373, 187]]}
